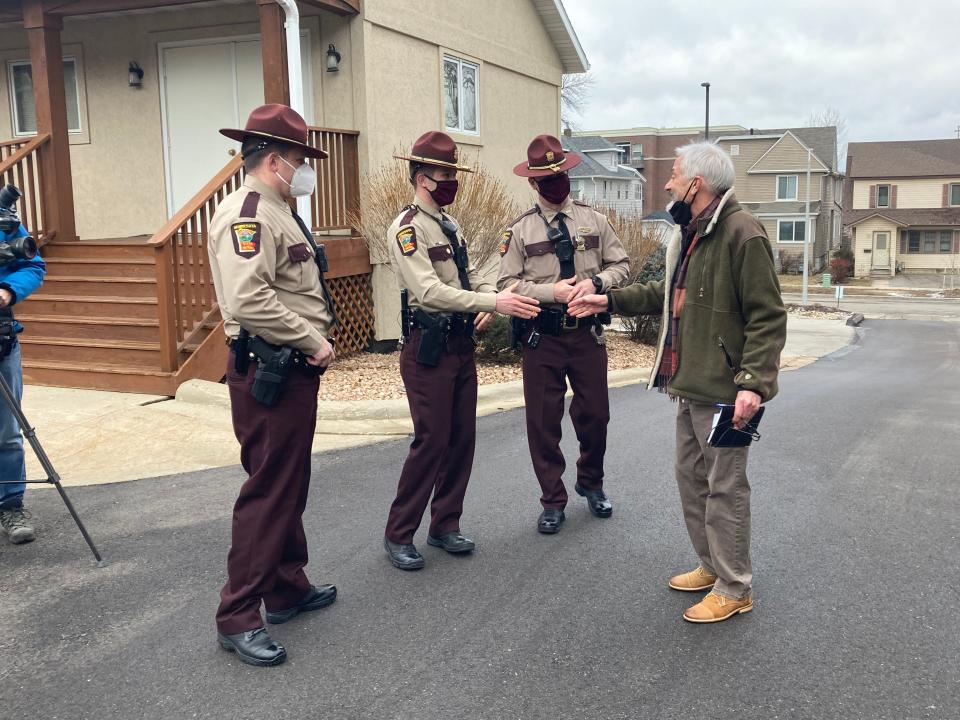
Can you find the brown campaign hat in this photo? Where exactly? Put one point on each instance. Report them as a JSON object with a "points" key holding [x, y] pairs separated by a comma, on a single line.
{"points": [[435, 148], [545, 156], [277, 122]]}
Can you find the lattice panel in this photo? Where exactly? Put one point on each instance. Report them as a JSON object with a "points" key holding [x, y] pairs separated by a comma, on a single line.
{"points": [[353, 295]]}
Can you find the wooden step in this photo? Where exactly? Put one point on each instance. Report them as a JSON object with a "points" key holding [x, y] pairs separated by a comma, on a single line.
{"points": [[100, 250], [98, 286], [99, 267], [92, 352], [116, 378], [85, 306], [90, 328]]}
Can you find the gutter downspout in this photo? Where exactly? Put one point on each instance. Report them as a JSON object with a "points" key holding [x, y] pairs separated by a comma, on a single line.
{"points": [[295, 76]]}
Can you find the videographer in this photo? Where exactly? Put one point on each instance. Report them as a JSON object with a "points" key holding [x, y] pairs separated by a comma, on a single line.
{"points": [[21, 272]]}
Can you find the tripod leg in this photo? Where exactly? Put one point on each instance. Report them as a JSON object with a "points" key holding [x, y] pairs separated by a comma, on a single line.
{"points": [[52, 476]]}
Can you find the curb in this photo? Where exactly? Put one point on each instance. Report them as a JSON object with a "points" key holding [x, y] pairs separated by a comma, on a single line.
{"points": [[855, 319]]}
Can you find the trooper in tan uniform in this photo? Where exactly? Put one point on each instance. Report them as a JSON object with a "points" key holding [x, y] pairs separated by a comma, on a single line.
{"points": [[559, 250], [277, 314], [447, 301]]}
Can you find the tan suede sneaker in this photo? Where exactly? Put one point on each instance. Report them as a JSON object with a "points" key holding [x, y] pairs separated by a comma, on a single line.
{"points": [[714, 608], [693, 581]]}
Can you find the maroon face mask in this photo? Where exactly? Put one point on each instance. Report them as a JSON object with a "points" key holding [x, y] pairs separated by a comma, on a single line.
{"points": [[554, 189], [445, 192]]}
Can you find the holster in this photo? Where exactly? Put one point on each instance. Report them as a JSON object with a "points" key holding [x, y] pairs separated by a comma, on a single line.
{"points": [[271, 376], [8, 333], [241, 352], [433, 337]]}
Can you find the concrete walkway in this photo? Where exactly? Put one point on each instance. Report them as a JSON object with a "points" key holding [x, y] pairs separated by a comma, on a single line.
{"points": [[97, 437]]}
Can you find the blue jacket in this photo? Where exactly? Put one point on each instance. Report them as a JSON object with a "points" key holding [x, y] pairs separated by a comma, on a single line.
{"points": [[21, 277]]}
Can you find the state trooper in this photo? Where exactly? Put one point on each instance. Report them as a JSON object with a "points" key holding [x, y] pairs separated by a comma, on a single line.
{"points": [[447, 299], [559, 250], [268, 275]]}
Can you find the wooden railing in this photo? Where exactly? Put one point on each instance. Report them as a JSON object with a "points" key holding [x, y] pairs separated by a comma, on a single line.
{"points": [[338, 179], [20, 166], [186, 299]]}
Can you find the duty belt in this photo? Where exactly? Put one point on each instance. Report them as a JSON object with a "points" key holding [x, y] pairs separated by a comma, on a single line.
{"points": [[456, 323], [556, 321], [256, 348]]}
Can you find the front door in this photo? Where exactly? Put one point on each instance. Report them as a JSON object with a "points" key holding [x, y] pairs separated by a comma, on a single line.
{"points": [[208, 86], [881, 251]]}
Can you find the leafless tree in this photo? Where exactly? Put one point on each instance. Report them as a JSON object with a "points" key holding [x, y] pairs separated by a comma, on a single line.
{"points": [[575, 97], [831, 117]]}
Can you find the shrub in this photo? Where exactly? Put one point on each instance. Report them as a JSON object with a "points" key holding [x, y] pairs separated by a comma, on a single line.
{"points": [[495, 342], [791, 263], [840, 269], [844, 254], [646, 328]]}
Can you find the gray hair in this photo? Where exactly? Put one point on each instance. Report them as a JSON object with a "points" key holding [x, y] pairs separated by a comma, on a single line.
{"points": [[709, 161]]}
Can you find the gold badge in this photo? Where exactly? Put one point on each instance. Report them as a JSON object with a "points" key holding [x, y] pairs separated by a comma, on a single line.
{"points": [[550, 156]]}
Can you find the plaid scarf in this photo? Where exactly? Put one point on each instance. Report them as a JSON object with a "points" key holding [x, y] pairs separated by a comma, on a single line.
{"points": [[671, 347]]}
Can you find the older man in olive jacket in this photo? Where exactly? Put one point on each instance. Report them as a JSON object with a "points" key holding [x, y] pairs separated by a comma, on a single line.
{"points": [[723, 328]]}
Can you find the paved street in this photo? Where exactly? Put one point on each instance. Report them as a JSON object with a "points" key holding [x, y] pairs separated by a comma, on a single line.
{"points": [[856, 526], [894, 307]]}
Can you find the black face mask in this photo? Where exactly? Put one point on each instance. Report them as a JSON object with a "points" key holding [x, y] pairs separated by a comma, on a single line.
{"points": [[680, 210], [555, 188]]}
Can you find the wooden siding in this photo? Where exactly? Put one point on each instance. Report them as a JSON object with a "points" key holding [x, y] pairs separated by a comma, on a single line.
{"points": [[916, 193]]}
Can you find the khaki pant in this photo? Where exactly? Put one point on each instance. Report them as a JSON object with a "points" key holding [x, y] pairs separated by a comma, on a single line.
{"points": [[715, 496]]}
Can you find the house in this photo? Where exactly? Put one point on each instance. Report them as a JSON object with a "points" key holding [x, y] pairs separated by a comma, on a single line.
{"points": [[902, 206], [771, 182], [601, 179], [109, 124], [650, 150]]}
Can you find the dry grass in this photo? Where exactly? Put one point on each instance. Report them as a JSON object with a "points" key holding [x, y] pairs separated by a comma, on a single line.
{"points": [[640, 242], [367, 376]]}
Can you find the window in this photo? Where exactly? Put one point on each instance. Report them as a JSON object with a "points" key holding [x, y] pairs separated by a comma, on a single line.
{"points": [[734, 150], [624, 152], [946, 241], [638, 154], [786, 187], [24, 109], [929, 241], [790, 231], [913, 244], [461, 95], [576, 189], [955, 194], [883, 196]]}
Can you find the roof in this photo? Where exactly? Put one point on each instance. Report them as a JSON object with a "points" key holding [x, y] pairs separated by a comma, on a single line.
{"points": [[590, 167], [589, 143], [641, 131], [904, 158], [927, 217], [564, 37], [660, 215]]}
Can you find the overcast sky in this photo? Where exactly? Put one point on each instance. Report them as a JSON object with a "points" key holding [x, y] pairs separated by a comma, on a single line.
{"points": [[890, 67]]}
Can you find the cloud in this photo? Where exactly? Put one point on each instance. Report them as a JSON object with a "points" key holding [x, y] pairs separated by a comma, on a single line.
{"points": [[888, 67]]}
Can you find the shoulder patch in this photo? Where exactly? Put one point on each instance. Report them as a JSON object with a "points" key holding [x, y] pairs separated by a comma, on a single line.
{"points": [[409, 214], [505, 237], [407, 240], [250, 203], [528, 212], [246, 238]]}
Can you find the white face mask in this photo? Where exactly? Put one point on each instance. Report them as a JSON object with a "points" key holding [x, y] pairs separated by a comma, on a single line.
{"points": [[304, 180]]}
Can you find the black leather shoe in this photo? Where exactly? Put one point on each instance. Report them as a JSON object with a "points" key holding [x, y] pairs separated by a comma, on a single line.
{"points": [[254, 647], [454, 543], [316, 598], [404, 557], [550, 521], [600, 506]]}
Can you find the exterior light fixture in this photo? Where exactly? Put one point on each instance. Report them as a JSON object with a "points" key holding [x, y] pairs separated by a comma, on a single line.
{"points": [[135, 76], [333, 59]]}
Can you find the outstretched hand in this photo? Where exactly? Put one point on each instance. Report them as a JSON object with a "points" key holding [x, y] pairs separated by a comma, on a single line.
{"points": [[588, 305]]}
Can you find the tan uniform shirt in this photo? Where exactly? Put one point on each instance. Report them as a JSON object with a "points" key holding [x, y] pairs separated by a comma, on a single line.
{"points": [[423, 260], [264, 270], [528, 256]]}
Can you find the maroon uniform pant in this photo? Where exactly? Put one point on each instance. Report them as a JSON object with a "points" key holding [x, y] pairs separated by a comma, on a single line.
{"points": [[576, 355], [443, 404], [269, 547]]}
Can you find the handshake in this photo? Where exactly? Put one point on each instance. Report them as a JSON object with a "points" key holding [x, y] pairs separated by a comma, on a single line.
{"points": [[509, 303]]}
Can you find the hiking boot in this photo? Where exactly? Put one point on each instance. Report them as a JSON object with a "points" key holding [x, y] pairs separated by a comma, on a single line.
{"points": [[693, 581], [715, 607], [16, 523]]}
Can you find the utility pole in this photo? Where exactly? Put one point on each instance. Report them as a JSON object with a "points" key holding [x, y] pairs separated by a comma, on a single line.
{"points": [[706, 120], [806, 235]]}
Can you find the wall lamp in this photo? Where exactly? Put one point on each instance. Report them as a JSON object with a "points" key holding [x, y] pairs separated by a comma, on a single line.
{"points": [[333, 59], [135, 77]]}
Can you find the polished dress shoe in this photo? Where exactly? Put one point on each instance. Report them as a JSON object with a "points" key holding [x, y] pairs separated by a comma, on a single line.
{"points": [[550, 521], [453, 543], [316, 598], [597, 500], [254, 647], [404, 557]]}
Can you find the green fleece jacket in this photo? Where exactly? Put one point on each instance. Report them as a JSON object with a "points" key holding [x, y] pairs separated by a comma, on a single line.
{"points": [[733, 304]]}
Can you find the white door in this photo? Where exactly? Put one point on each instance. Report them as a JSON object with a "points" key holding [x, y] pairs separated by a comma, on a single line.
{"points": [[881, 250], [208, 86]]}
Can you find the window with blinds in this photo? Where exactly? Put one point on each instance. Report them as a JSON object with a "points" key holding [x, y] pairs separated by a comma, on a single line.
{"points": [[24, 110]]}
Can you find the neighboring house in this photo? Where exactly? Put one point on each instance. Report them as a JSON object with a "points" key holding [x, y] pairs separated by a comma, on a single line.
{"points": [[652, 151], [771, 182], [109, 122], [659, 224], [901, 206], [601, 179]]}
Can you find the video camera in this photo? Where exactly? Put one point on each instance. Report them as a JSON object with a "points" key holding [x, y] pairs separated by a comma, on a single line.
{"points": [[21, 248]]}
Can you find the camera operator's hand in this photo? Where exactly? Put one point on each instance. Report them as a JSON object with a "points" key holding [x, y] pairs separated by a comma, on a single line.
{"points": [[6, 297], [324, 356]]}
